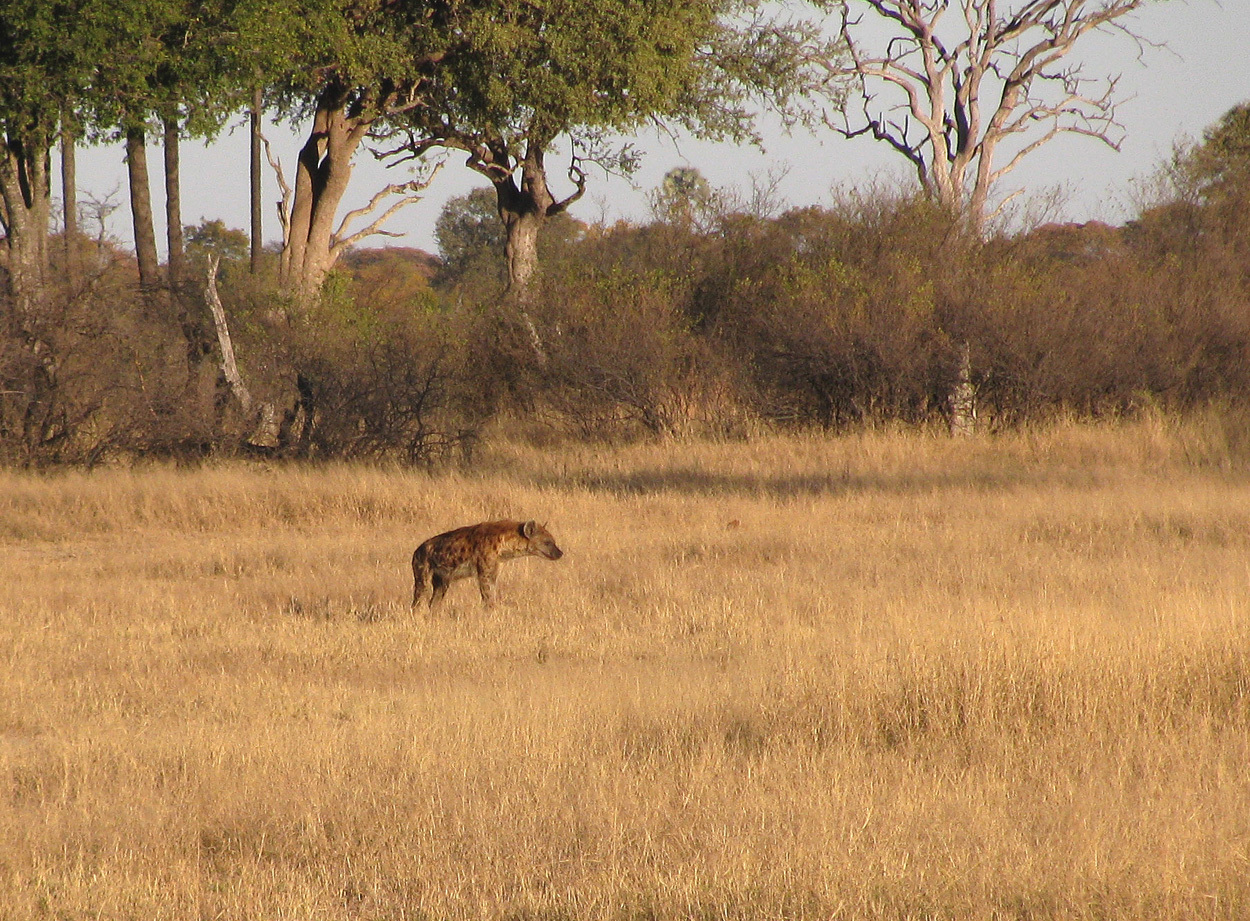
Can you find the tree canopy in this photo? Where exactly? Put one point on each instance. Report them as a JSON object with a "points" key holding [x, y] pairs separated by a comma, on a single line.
{"points": [[517, 75], [1219, 164]]}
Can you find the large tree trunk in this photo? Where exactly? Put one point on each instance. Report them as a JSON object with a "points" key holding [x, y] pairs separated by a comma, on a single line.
{"points": [[177, 263], [69, 195], [322, 175], [141, 211], [521, 249], [255, 173], [523, 219], [523, 207], [24, 210]]}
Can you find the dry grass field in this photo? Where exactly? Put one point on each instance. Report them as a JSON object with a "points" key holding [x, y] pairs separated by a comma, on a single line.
{"points": [[881, 676]]}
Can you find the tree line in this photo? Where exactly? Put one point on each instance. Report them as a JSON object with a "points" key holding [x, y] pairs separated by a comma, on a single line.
{"points": [[531, 314]]}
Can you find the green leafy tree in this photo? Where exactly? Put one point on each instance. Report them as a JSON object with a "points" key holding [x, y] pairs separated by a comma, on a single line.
{"points": [[685, 199], [352, 66], [470, 238], [214, 238], [1218, 166], [519, 75], [45, 60], [1196, 203]]}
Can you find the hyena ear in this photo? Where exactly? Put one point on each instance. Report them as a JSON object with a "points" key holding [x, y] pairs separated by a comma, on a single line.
{"points": [[528, 529]]}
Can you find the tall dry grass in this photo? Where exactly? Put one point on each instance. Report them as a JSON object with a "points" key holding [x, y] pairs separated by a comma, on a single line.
{"points": [[918, 678]]}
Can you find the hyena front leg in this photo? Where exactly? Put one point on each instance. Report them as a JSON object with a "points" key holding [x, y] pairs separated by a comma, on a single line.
{"points": [[486, 575]]}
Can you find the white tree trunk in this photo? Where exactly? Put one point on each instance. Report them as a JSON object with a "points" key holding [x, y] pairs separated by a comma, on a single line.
{"points": [[265, 433], [963, 405]]}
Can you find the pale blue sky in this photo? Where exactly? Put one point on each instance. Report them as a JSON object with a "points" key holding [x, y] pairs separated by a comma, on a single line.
{"points": [[1167, 94]]}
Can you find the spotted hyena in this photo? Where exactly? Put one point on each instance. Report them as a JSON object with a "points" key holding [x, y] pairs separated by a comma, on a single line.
{"points": [[476, 551]]}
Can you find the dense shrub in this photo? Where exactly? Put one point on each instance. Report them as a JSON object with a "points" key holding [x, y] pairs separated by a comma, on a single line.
{"points": [[96, 371], [381, 379], [856, 314]]}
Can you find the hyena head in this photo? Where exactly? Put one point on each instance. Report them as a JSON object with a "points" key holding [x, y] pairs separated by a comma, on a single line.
{"points": [[541, 543]]}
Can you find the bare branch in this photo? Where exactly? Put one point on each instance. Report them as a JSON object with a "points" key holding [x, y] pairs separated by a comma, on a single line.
{"points": [[284, 206], [407, 193], [578, 177], [1010, 61]]}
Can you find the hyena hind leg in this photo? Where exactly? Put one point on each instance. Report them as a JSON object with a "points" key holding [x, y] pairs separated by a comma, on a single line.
{"points": [[421, 578], [439, 589]]}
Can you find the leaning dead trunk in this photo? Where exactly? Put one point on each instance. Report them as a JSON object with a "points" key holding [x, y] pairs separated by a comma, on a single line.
{"points": [[229, 367], [265, 430]]}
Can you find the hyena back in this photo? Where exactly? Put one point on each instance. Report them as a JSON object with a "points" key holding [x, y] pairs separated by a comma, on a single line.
{"points": [[476, 551]]}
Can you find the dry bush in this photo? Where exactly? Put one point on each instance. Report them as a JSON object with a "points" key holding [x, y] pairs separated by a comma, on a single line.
{"points": [[383, 381], [859, 313], [619, 357], [98, 371], [836, 314], [855, 315], [879, 676], [1089, 321]]}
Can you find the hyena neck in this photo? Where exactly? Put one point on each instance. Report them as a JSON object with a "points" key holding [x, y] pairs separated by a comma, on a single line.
{"points": [[513, 546]]}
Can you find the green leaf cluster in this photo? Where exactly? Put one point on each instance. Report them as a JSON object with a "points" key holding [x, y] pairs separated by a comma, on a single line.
{"points": [[1222, 160], [48, 52], [544, 67], [531, 70]]}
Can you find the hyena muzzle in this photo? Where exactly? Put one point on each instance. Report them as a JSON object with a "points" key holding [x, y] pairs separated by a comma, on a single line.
{"points": [[476, 550]]}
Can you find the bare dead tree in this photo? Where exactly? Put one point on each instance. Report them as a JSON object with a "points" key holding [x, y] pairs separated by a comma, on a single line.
{"points": [[229, 366], [953, 80]]}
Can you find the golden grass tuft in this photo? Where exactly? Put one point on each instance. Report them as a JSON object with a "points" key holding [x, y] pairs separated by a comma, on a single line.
{"points": [[918, 678]]}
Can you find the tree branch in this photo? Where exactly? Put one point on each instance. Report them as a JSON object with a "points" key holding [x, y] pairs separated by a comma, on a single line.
{"points": [[408, 195], [578, 177], [284, 205]]}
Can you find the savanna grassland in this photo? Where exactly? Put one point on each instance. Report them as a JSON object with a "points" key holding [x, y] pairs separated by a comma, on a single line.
{"points": [[878, 676]]}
